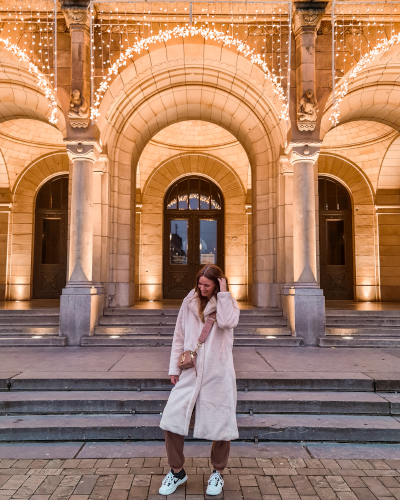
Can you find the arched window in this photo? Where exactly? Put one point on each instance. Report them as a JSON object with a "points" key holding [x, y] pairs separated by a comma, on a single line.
{"points": [[194, 193], [333, 196]]}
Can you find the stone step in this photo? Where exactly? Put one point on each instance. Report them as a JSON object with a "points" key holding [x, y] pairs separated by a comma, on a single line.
{"points": [[169, 330], [143, 340], [363, 331], [121, 311], [261, 427], [150, 321], [145, 402], [33, 341], [363, 322], [159, 381], [31, 313], [13, 330], [359, 341], [6, 321], [341, 313]]}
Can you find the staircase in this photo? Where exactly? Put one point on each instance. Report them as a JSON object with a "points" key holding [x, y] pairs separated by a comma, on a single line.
{"points": [[273, 406], [30, 327], [155, 327], [347, 328]]}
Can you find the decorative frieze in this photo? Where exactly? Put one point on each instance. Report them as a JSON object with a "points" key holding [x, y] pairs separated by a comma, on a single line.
{"points": [[268, 30], [44, 27], [118, 28], [347, 29]]}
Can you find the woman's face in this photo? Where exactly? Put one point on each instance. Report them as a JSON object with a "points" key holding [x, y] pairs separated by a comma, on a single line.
{"points": [[206, 287]]}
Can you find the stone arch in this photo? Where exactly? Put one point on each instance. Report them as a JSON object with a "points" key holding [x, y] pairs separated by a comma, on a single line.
{"points": [[192, 82], [152, 222], [365, 234], [374, 94], [389, 173], [20, 256], [20, 96], [4, 179]]}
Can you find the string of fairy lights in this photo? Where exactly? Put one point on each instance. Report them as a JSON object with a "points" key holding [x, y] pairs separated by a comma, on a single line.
{"points": [[28, 29], [261, 31], [360, 32]]}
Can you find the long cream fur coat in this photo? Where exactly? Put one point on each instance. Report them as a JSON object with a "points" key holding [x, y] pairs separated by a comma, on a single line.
{"points": [[213, 391]]}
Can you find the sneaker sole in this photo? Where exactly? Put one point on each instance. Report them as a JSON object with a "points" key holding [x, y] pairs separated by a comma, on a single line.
{"points": [[214, 494], [181, 481]]}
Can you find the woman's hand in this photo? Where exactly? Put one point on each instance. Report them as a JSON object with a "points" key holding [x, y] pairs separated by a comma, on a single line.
{"points": [[222, 285], [174, 379]]}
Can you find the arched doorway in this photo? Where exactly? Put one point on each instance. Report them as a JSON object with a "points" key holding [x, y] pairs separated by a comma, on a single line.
{"points": [[50, 252], [336, 240], [193, 233]]}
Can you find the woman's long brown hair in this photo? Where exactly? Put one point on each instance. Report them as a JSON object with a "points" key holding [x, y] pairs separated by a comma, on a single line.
{"points": [[211, 272]]}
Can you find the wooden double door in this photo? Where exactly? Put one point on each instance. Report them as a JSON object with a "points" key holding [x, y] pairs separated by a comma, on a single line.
{"points": [[336, 240], [193, 234], [50, 245]]}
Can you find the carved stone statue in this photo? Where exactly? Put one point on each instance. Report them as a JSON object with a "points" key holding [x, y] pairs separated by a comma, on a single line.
{"points": [[308, 107], [78, 106]]}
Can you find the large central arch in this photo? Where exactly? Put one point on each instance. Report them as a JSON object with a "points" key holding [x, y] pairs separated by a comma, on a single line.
{"points": [[192, 81]]}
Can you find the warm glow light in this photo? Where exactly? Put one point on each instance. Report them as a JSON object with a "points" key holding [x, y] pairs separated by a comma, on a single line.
{"points": [[347, 338], [270, 337], [186, 31], [114, 336], [37, 337], [42, 82], [351, 75]]}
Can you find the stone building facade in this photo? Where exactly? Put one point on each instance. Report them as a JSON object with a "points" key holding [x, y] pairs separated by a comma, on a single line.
{"points": [[190, 162]]}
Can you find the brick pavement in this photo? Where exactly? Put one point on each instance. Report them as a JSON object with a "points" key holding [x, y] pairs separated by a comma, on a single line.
{"points": [[245, 478]]}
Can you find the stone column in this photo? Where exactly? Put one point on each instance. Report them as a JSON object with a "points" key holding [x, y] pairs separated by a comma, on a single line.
{"points": [[305, 302], [81, 299]]}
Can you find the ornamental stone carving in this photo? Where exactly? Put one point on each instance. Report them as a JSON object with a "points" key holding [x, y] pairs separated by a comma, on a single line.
{"points": [[79, 110], [76, 15], [298, 151], [307, 111]]}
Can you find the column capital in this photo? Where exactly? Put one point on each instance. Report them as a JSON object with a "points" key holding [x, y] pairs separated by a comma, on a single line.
{"points": [[299, 151], [100, 166], [83, 150], [307, 17], [286, 167]]}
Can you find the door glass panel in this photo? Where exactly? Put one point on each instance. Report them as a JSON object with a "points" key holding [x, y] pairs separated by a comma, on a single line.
{"points": [[56, 200], [193, 194], [204, 195], [208, 241], [215, 199], [173, 200], [336, 244], [194, 201], [178, 238], [51, 241], [330, 196], [183, 202]]}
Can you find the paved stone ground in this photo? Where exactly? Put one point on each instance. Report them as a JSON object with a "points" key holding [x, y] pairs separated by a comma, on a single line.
{"points": [[275, 478]]}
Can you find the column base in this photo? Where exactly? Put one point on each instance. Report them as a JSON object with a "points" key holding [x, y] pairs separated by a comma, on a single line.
{"points": [[265, 294], [304, 308], [80, 309]]}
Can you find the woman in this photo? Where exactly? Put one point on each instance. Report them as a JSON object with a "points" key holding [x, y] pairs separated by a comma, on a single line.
{"points": [[211, 392]]}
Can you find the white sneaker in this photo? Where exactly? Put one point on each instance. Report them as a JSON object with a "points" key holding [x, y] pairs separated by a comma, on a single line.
{"points": [[215, 484], [170, 483]]}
